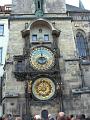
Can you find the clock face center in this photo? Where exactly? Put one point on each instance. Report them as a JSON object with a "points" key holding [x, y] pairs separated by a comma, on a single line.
{"points": [[42, 87], [42, 60]]}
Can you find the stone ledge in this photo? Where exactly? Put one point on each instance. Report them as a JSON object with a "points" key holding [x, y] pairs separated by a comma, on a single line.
{"points": [[81, 90], [32, 16], [85, 63]]}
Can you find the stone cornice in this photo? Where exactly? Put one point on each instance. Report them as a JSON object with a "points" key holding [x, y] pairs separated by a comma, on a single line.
{"points": [[32, 17], [4, 16]]}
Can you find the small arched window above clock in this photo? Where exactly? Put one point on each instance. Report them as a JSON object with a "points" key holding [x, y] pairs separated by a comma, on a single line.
{"points": [[46, 37], [34, 37]]}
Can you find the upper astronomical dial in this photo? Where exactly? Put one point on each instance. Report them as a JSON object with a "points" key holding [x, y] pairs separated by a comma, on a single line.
{"points": [[41, 58]]}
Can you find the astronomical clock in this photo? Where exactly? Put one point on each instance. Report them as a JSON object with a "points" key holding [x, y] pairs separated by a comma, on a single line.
{"points": [[42, 63], [43, 73], [41, 58]]}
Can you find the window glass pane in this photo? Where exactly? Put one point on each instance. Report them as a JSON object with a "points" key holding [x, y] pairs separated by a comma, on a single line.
{"points": [[81, 45], [38, 4], [34, 37], [0, 55], [1, 29], [46, 37]]}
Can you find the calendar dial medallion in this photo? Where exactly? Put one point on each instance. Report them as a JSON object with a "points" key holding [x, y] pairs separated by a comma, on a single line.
{"points": [[43, 88], [41, 58]]}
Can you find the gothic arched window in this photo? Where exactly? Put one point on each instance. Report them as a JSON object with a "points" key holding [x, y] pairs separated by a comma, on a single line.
{"points": [[81, 45], [39, 8], [39, 4]]}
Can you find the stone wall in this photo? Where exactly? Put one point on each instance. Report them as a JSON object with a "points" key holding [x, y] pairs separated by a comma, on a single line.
{"points": [[28, 6]]}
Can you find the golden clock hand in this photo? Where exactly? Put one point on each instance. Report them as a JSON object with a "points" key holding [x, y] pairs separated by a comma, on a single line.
{"points": [[41, 55], [41, 52]]}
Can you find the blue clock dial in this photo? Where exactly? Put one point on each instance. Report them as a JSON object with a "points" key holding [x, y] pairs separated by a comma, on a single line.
{"points": [[41, 58]]}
